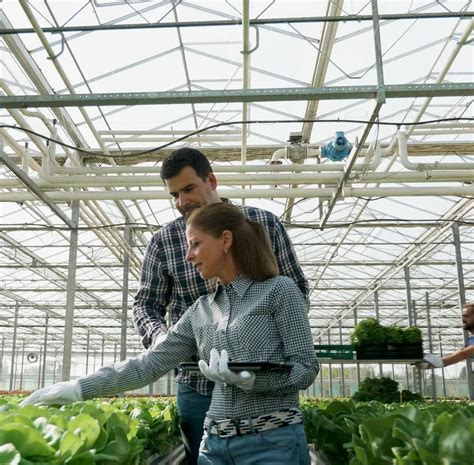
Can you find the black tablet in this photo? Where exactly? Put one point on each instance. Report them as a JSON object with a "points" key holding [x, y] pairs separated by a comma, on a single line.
{"points": [[242, 366]]}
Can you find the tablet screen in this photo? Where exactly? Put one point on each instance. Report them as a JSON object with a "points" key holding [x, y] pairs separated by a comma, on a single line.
{"points": [[248, 366]]}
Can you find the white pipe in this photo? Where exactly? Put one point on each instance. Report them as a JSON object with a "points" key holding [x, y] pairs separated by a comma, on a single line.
{"points": [[278, 155], [55, 168], [159, 140], [460, 125], [348, 192], [402, 151], [441, 131], [165, 132], [256, 179], [19, 150]]}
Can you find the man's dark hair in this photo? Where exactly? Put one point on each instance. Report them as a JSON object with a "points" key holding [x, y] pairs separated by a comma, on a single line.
{"points": [[183, 157], [469, 307]]}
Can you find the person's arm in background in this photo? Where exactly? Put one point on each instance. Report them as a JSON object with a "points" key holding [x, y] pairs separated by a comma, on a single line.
{"points": [[462, 354], [152, 298], [436, 361]]}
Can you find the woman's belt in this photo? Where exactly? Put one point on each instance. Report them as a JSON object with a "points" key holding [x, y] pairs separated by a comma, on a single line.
{"points": [[237, 427]]}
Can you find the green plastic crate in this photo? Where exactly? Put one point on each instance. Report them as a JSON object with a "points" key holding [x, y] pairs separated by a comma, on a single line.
{"points": [[336, 352]]}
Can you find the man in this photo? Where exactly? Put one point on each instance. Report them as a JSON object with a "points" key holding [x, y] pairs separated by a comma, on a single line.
{"points": [[436, 361], [169, 283]]}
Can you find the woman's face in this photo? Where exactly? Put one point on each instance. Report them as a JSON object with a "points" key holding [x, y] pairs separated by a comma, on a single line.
{"points": [[205, 252], [208, 254]]}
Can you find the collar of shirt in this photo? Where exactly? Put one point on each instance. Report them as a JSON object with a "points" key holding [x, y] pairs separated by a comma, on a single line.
{"points": [[239, 285]]}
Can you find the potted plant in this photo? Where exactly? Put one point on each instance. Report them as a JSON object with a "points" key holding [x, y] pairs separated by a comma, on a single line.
{"points": [[374, 341]]}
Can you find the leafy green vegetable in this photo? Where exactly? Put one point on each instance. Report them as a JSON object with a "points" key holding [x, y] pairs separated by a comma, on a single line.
{"points": [[438, 433], [370, 331], [384, 390], [9, 455], [121, 431]]}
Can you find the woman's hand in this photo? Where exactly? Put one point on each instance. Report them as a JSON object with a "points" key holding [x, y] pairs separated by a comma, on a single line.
{"points": [[218, 371], [60, 393]]}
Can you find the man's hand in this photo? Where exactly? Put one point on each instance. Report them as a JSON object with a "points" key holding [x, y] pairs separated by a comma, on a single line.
{"points": [[218, 370], [60, 393], [434, 360]]}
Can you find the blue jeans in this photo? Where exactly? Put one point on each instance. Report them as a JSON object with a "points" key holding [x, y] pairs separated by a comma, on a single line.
{"points": [[192, 408], [281, 446]]}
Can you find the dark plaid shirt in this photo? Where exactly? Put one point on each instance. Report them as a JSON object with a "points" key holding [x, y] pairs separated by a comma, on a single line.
{"points": [[256, 321], [169, 283]]}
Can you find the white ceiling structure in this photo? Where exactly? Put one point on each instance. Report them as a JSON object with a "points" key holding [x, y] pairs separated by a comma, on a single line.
{"points": [[93, 94]]}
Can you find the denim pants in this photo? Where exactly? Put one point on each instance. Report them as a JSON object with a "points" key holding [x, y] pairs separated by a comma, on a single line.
{"points": [[192, 408], [281, 446]]}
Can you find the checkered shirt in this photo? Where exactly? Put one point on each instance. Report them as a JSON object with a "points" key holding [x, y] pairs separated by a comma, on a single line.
{"points": [[256, 321], [169, 283]]}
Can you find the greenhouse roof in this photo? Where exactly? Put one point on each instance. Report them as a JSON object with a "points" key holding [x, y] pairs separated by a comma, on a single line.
{"points": [[96, 93]]}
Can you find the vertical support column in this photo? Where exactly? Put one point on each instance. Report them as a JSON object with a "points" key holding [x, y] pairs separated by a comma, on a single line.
{"points": [[377, 317], [15, 328], [330, 366], [342, 365], [321, 378], [115, 352], [124, 319], [22, 364], [40, 361], [71, 293], [1, 357], [417, 387], [378, 52], [88, 344], [102, 354], [430, 342], [245, 75], [407, 378], [413, 307], [408, 292], [45, 346], [55, 365], [442, 369], [357, 365], [462, 301]]}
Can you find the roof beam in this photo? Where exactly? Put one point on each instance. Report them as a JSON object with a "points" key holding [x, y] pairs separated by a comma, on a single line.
{"points": [[238, 22], [238, 95]]}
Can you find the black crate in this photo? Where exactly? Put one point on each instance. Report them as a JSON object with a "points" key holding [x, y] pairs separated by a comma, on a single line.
{"points": [[403, 351], [336, 352]]}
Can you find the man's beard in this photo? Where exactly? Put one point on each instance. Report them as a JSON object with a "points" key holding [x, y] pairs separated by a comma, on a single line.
{"points": [[187, 212], [468, 327]]}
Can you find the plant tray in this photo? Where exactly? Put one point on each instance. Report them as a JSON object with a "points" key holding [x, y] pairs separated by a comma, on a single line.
{"points": [[336, 352], [403, 351]]}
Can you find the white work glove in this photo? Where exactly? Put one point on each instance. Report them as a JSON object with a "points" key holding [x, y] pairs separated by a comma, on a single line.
{"points": [[60, 393], [218, 371], [434, 360]]}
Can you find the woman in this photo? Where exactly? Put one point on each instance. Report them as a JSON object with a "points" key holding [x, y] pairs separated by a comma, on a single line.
{"points": [[253, 316]]}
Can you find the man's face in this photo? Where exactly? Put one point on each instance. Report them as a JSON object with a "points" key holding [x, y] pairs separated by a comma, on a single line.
{"points": [[468, 320], [189, 191]]}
